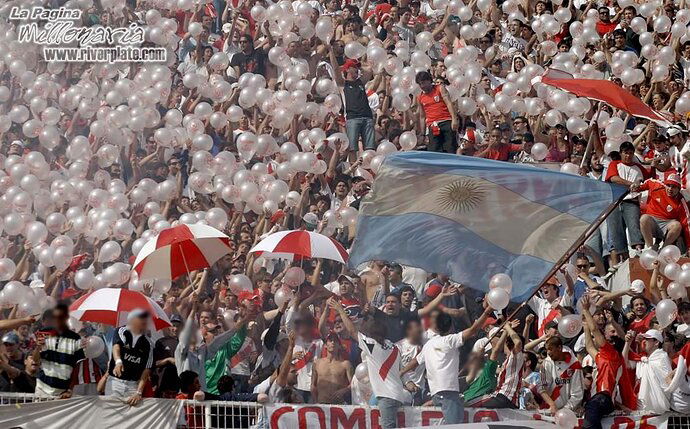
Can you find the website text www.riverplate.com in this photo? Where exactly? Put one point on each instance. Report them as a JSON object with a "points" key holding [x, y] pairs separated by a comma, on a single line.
{"points": [[105, 54]]}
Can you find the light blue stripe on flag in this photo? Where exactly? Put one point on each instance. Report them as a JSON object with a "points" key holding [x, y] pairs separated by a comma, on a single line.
{"points": [[471, 218]]}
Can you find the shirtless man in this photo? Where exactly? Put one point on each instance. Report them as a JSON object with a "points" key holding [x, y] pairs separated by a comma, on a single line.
{"points": [[331, 376], [372, 279]]}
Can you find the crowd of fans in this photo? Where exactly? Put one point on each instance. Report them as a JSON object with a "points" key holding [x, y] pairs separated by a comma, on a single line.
{"points": [[267, 117]]}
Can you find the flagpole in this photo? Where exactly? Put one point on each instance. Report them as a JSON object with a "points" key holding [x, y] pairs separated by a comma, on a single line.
{"points": [[590, 141], [567, 255]]}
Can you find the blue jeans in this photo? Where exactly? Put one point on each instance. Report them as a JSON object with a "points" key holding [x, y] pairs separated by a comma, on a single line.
{"points": [[452, 406], [596, 409], [354, 128], [389, 412], [627, 215], [218, 24]]}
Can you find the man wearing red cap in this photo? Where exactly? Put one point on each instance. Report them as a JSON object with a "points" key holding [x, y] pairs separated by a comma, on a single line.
{"points": [[665, 215]]}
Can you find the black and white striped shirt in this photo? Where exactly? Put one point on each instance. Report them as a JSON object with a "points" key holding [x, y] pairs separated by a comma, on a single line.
{"points": [[136, 352], [58, 358]]}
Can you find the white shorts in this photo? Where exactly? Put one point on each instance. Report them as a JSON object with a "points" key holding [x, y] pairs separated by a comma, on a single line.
{"points": [[123, 389]]}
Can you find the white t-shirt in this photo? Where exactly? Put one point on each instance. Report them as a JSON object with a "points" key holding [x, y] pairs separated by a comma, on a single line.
{"points": [[631, 173], [408, 352], [441, 356], [383, 365], [542, 307], [429, 334], [415, 277]]}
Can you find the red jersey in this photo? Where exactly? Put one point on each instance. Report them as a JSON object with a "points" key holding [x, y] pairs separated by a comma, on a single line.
{"points": [[605, 27], [662, 205], [435, 108], [501, 153], [611, 373], [641, 326]]}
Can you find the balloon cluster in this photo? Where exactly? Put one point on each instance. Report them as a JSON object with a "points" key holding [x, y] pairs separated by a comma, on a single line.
{"points": [[500, 287], [668, 263]]}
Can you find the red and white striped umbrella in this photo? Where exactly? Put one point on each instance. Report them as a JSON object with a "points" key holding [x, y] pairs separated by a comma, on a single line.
{"points": [[304, 244], [180, 250], [110, 306]]}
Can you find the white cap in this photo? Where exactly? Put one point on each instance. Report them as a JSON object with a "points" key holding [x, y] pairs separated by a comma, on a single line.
{"points": [[310, 218], [653, 333]]}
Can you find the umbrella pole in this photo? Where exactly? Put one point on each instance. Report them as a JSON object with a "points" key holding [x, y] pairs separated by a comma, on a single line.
{"points": [[186, 268]]}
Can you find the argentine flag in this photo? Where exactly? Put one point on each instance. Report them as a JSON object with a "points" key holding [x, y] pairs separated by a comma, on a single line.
{"points": [[472, 218]]}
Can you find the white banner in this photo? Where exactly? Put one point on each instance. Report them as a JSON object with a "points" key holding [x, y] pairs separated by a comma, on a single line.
{"points": [[91, 412], [281, 416]]}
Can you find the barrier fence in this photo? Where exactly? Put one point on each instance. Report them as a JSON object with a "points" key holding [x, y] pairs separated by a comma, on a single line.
{"points": [[26, 410]]}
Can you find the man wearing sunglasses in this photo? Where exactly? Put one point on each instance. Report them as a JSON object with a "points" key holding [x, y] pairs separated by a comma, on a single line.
{"points": [[132, 359], [586, 279]]}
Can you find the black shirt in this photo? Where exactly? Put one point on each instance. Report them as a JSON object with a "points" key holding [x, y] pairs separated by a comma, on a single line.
{"points": [[23, 383], [166, 375], [395, 325], [254, 62], [165, 348], [136, 357], [356, 101]]}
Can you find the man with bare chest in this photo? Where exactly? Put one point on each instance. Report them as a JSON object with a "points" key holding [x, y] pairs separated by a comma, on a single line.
{"points": [[374, 281], [332, 374]]}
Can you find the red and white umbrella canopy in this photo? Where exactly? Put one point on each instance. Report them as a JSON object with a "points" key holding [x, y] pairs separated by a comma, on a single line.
{"points": [[179, 250], [304, 244], [111, 306]]}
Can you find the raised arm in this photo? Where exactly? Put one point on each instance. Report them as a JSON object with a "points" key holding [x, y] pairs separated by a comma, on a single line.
{"points": [[445, 292], [499, 345], [472, 330], [514, 337], [15, 323], [284, 370], [347, 323]]}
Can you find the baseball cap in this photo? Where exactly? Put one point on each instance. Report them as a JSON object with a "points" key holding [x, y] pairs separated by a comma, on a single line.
{"points": [[176, 318], [137, 313], [310, 218], [18, 143], [672, 179], [654, 333], [10, 338], [348, 278], [673, 131]]}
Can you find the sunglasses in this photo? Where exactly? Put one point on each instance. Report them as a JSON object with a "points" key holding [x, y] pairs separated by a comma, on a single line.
{"points": [[583, 266]]}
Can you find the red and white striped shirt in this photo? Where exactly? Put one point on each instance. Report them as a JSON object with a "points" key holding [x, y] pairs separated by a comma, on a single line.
{"points": [[510, 376], [86, 372]]}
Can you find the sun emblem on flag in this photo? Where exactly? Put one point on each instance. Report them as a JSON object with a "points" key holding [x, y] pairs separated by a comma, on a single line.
{"points": [[462, 195]]}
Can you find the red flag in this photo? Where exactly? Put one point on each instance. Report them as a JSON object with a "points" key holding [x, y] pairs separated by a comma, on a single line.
{"points": [[606, 91]]}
